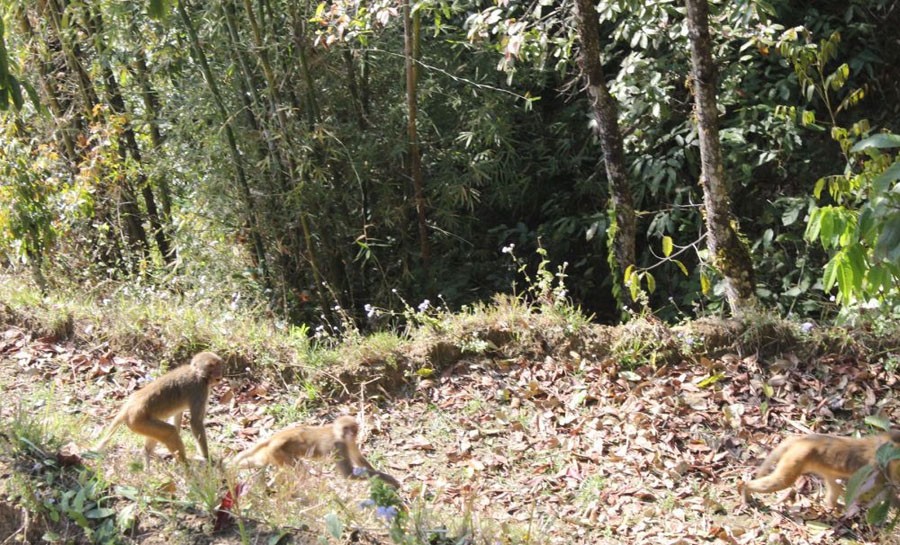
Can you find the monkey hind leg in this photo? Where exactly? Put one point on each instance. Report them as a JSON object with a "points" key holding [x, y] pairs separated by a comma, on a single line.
{"points": [[783, 476], [165, 433], [149, 447]]}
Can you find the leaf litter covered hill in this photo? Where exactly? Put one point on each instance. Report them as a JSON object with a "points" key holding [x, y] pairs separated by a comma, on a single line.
{"points": [[601, 435]]}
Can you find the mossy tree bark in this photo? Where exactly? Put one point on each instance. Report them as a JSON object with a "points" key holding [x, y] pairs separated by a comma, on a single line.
{"points": [[604, 110], [729, 253]]}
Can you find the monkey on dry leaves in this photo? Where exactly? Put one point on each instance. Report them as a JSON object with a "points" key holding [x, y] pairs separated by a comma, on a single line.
{"points": [[828, 456], [183, 388], [289, 445]]}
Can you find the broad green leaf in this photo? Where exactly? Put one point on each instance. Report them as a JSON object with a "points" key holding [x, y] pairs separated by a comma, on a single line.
{"points": [[826, 226], [634, 287], [814, 227], [886, 454], [846, 278], [877, 514], [830, 276], [704, 284], [334, 525], [100, 513], [667, 246], [888, 246], [15, 92], [126, 517], [858, 484], [880, 141], [651, 282], [856, 259], [883, 181], [878, 421]]}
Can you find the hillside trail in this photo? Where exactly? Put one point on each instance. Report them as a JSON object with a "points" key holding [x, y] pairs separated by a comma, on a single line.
{"points": [[568, 449]]}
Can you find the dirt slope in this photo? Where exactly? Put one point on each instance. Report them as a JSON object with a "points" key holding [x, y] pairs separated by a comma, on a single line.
{"points": [[563, 445]]}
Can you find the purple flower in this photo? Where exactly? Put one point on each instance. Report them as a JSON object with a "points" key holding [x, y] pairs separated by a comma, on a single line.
{"points": [[387, 513], [806, 326]]}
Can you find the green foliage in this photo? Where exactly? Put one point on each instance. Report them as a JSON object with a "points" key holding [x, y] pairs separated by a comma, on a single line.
{"points": [[27, 217], [862, 228], [871, 488], [55, 485], [308, 213]]}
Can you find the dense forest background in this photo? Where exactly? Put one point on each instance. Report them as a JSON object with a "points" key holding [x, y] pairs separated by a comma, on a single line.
{"points": [[340, 162]]}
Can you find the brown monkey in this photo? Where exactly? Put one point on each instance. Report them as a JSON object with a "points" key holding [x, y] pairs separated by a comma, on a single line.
{"points": [[183, 388], [828, 456], [289, 445]]}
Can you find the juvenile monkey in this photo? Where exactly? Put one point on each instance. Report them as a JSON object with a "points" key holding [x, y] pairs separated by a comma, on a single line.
{"points": [[289, 445], [828, 456], [183, 388]]}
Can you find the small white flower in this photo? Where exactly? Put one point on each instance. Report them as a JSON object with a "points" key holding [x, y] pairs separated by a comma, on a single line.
{"points": [[806, 326], [423, 306], [508, 249]]}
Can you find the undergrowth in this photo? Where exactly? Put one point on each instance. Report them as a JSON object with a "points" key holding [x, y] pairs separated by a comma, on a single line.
{"points": [[312, 367]]}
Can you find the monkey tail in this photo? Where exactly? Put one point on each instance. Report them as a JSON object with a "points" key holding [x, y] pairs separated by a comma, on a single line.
{"points": [[109, 432], [769, 463]]}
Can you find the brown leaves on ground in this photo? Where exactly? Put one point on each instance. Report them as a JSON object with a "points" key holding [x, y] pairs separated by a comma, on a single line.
{"points": [[571, 448]]}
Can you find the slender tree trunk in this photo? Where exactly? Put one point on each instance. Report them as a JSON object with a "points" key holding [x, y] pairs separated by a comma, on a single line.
{"points": [[243, 185], [410, 50], [50, 88], [150, 99], [729, 253], [300, 45], [353, 88], [279, 113], [128, 212], [117, 104], [603, 108]]}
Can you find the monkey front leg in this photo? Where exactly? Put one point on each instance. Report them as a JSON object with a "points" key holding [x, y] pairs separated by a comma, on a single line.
{"points": [[833, 491], [199, 432]]}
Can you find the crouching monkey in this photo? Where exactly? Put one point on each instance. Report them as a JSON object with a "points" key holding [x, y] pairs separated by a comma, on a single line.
{"points": [[288, 446]]}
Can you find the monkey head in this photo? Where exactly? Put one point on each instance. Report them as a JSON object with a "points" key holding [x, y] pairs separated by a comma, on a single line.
{"points": [[346, 429], [210, 366]]}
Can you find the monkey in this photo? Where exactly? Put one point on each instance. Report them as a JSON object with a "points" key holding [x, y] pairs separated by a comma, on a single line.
{"points": [[183, 388], [828, 456], [289, 445]]}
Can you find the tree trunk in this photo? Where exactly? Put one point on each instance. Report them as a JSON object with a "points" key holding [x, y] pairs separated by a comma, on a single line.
{"points": [[410, 51], [128, 212], [603, 108], [730, 255], [150, 99], [244, 187]]}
